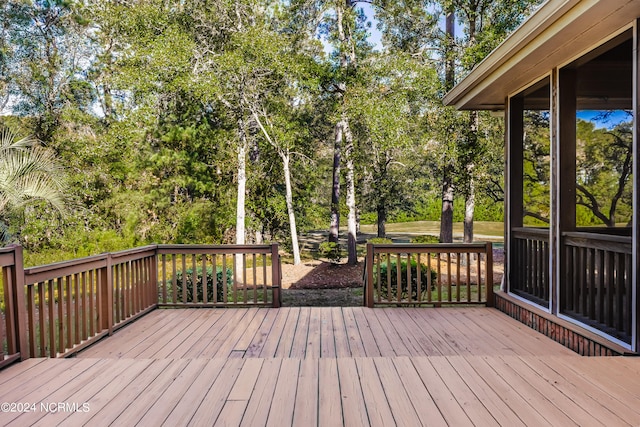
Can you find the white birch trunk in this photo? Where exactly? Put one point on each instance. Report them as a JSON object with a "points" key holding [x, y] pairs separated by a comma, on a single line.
{"points": [[334, 227], [240, 204], [352, 255], [469, 208], [292, 215]]}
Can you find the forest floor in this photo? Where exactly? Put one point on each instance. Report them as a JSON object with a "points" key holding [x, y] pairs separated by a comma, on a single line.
{"points": [[316, 282], [321, 283]]}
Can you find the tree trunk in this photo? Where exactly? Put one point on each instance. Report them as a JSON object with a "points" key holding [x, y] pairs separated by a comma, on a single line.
{"points": [[446, 217], [382, 220], [240, 204], [334, 228], [469, 207], [450, 26], [470, 200], [352, 255], [292, 215]]}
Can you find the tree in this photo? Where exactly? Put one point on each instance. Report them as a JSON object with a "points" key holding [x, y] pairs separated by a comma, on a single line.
{"points": [[29, 173], [344, 26], [605, 166], [391, 93], [49, 50], [536, 166]]}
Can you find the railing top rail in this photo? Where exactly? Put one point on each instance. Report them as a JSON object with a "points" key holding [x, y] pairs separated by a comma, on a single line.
{"points": [[68, 267], [618, 231], [598, 237], [216, 249], [530, 232], [134, 251], [613, 243], [8, 249], [8, 256], [429, 247]]}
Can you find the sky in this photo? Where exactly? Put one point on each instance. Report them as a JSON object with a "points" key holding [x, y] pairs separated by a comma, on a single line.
{"points": [[604, 119], [375, 37]]}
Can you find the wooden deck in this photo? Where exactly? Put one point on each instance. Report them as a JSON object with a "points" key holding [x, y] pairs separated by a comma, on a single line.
{"points": [[325, 366]]}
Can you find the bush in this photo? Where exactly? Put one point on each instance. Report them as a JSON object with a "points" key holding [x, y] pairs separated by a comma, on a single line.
{"points": [[403, 277], [220, 287], [425, 239], [380, 241], [331, 251]]}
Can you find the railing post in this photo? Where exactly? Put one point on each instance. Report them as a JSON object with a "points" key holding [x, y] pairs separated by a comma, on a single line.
{"points": [[489, 274], [106, 293], [276, 276], [19, 315], [368, 284], [154, 277]]}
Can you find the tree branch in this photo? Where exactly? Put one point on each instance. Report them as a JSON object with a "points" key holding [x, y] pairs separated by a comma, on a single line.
{"points": [[592, 205]]}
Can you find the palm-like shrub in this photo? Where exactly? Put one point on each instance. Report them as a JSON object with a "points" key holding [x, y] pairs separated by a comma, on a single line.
{"points": [[29, 172]]}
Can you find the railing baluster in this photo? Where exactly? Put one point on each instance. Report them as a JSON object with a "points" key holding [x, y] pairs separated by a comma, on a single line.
{"points": [[42, 332], [61, 335], [419, 278], [214, 268], [429, 278], [255, 279], [224, 278], [479, 274], [458, 283], [194, 279], [92, 299], [264, 276], [163, 263], [205, 280], [449, 276], [468, 267], [32, 323], [85, 306], [52, 319], [184, 279], [244, 278]]}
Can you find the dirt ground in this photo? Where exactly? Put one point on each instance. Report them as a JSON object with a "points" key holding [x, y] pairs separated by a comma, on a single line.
{"points": [[319, 283]]}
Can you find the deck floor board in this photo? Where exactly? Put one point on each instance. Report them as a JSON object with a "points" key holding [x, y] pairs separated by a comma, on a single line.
{"points": [[336, 366]]}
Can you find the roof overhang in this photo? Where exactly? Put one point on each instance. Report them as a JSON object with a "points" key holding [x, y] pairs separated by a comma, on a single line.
{"points": [[557, 33]]}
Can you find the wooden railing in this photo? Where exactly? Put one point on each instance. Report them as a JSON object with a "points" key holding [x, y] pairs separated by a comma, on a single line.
{"points": [[428, 274], [72, 304], [235, 275], [12, 341], [58, 309], [597, 285], [529, 269]]}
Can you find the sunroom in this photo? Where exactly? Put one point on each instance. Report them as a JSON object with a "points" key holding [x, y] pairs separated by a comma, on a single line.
{"points": [[567, 82]]}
